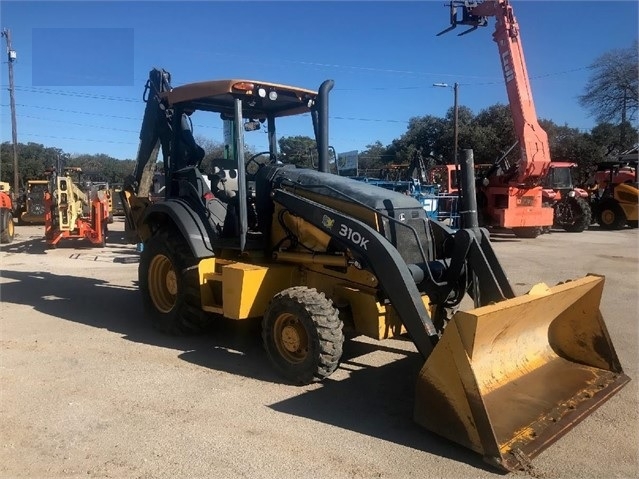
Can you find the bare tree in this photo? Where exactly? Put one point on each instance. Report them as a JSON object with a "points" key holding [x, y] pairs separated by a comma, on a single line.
{"points": [[612, 91]]}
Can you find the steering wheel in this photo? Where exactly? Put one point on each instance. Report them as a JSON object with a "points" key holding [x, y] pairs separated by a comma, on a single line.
{"points": [[253, 166]]}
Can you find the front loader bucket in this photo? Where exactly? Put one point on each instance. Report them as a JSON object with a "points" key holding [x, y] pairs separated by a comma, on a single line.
{"points": [[509, 379]]}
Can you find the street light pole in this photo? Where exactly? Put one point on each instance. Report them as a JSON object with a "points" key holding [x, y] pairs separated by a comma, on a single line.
{"points": [[455, 119]]}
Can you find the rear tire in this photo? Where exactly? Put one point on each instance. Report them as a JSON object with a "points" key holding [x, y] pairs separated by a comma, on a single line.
{"points": [[303, 335], [611, 216], [169, 282], [7, 233], [581, 215]]}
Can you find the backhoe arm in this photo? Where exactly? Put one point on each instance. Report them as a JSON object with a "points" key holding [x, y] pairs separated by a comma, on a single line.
{"points": [[155, 132]]}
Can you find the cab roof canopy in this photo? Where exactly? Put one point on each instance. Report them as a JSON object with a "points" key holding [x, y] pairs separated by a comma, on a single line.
{"points": [[260, 99], [607, 165]]}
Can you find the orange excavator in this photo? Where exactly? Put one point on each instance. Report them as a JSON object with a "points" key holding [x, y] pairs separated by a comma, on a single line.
{"points": [[510, 193]]}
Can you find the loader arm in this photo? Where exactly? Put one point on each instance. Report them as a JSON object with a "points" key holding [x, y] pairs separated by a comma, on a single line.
{"points": [[377, 253], [404, 283]]}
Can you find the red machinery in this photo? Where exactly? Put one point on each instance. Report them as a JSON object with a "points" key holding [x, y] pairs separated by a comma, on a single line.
{"points": [[571, 204], [72, 213], [7, 231], [510, 195]]}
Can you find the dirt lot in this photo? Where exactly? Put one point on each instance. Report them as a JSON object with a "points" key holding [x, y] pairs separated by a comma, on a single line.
{"points": [[89, 389]]}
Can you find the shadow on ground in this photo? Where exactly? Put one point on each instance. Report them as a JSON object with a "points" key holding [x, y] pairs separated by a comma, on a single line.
{"points": [[375, 401]]}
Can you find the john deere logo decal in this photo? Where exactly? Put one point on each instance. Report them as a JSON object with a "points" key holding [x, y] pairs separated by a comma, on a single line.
{"points": [[328, 222]]}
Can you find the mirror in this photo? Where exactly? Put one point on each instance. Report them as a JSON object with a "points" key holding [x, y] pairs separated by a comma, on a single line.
{"points": [[252, 125]]}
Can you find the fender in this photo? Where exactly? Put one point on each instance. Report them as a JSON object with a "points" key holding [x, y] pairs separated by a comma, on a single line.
{"points": [[195, 231], [581, 192]]}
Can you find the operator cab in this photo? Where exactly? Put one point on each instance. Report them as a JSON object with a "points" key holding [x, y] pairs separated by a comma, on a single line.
{"points": [[559, 176], [223, 190]]}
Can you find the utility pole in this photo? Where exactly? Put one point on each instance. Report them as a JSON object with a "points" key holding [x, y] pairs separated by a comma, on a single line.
{"points": [[11, 57], [456, 125]]}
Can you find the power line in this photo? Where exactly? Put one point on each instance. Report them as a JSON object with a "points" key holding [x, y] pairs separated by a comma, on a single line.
{"points": [[91, 113], [382, 120], [367, 119], [78, 124], [76, 94], [79, 139], [43, 90]]}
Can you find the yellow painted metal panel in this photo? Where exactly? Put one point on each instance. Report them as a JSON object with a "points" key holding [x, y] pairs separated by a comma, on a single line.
{"points": [[372, 318], [248, 288]]}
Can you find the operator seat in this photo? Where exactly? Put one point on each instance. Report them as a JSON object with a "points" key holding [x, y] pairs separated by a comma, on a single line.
{"points": [[224, 183]]}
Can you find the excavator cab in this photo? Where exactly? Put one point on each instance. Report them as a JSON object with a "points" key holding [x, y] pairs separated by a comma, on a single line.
{"points": [[308, 253]]}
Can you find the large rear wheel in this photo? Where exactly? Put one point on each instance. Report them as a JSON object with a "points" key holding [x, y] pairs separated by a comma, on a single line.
{"points": [[578, 215], [302, 335], [169, 282]]}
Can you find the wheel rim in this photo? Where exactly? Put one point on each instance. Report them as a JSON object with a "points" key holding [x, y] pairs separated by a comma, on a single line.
{"points": [[10, 227], [291, 338], [163, 286], [607, 217]]}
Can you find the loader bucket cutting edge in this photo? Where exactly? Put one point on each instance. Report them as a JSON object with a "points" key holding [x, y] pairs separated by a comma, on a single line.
{"points": [[509, 379]]}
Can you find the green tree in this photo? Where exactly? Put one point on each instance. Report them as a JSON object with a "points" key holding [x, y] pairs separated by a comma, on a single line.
{"points": [[491, 134], [298, 150], [213, 150], [444, 146], [33, 160], [609, 137], [100, 167], [423, 134], [373, 157], [570, 144]]}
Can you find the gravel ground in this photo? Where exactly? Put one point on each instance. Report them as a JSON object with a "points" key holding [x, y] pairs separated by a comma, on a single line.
{"points": [[89, 389]]}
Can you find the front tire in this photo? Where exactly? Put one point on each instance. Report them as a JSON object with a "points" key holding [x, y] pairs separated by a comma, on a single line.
{"points": [[169, 282], [302, 335]]}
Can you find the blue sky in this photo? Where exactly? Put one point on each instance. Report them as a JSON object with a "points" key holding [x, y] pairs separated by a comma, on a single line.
{"points": [[82, 65]]}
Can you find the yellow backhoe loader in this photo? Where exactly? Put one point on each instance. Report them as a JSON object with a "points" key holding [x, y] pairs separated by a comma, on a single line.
{"points": [[308, 251]]}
